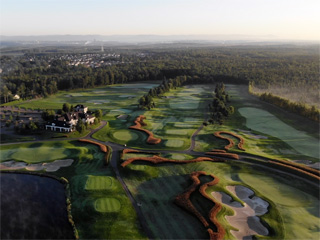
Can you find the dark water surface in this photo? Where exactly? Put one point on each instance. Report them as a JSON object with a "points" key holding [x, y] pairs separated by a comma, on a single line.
{"points": [[33, 207]]}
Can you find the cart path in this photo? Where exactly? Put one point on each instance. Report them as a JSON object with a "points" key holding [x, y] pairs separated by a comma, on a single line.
{"points": [[142, 220]]}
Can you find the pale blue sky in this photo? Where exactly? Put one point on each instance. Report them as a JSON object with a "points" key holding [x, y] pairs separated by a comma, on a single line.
{"points": [[290, 19]]}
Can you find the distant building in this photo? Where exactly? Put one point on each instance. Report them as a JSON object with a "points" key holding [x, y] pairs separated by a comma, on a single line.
{"points": [[68, 121], [16, 97]]}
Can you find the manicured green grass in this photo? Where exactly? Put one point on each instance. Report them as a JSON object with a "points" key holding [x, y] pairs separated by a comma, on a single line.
{"points": [[156, 187], [107, 205], [106, 98], [268, 131], [266, 123], [299, 209], [41, 152], [98, 183], [125, 135]]}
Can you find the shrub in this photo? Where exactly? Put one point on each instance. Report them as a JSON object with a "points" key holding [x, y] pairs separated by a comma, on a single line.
{"points": [[103, 147], [156, 159]]}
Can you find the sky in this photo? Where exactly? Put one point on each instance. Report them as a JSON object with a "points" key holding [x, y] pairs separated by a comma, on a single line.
{"points": [[284, 19]]}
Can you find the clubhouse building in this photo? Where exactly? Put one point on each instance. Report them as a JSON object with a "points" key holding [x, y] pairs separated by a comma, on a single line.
{"points": [[67, 122]]}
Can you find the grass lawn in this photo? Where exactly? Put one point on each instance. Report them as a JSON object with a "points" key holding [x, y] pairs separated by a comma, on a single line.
{"points": [[106, 98], [97, 183], [298, 208], [266, 123], [107, 205]]}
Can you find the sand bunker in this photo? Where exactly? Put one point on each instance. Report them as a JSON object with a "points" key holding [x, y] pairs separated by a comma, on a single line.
{"points": [[122, 117], [246, 217], [48, 167]]}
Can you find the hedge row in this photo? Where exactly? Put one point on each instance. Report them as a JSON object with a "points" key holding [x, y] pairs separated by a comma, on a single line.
{"points": [[214, 211], [300, 166], [231, 142], [218, 150], [183, 199], [127, 150], [224, 154], [103, 147], [156, 159], [297, 171], [139, 123]]}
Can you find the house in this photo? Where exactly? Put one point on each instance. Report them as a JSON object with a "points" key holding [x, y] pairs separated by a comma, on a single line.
{"points": [[68, 121], [81, 108]]}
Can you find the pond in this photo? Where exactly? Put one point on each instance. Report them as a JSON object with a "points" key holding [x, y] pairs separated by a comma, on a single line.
{"points": [[33, 207]]}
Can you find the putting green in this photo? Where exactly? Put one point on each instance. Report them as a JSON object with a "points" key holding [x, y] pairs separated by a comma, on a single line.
{"points": [[264, 122], [174, 143], [107, 205], [40, 154], [125, 135], [98, 183]]}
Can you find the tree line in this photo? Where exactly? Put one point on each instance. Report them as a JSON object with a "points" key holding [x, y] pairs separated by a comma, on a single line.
{"points": [[265, 66], [219, 108], [146, 101], [301, 109]]}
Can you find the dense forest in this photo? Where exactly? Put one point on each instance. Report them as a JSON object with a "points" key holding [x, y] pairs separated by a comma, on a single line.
{"points": [[287, 66]]}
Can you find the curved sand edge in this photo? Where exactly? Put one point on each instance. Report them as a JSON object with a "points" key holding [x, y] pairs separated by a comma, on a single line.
{"points": [[246, 217], [48, 167]]}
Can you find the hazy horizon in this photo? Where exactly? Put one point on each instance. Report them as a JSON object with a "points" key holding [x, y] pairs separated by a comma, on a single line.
{"points": [[267, 19]]}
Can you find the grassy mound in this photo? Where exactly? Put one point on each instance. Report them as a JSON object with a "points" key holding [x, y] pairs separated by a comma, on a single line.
{"points": [[107, 205]]}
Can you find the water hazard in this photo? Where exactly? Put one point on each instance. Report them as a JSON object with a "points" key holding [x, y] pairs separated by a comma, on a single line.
{"points": [[33, 207]]}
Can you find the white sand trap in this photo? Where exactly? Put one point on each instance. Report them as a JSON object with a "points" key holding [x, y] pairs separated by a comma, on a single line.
{"points": [[56, 165], [246, 217], [122, 117], [49, 167], [12, 165]]}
